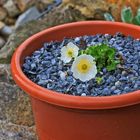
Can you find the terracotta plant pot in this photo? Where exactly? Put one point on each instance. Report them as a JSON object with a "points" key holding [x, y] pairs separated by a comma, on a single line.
{"points": [[66, 117]]}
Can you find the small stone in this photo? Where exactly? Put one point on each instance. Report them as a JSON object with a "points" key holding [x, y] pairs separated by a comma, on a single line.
{"points": [[104, 70], [24, 4], [53, 61], [42, 82], [10, 21], [33, 66], [6, 31], [126, 88], [70, 79], [42, 5], [69, 72], [118, 83], [1, 25], [113, 88], [62, 75], [11, 8], [3, 13], [106, 91], [118, 75], [26, 66], [117, 91], [77, 39], [123, 78], [135, 67], [50, 85], [12, 131], [2, 2], [46, 63], [79, 88], [136, 86], [31, 14], [111, 78], [83, 94], [2, 42], [57, 2], [138, 83], [124, 73], [5, 75]]}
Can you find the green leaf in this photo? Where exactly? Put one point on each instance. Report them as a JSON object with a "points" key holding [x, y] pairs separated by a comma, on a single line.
{"points": [[99, 80], [108, 17], [111, 67], [136, 19], [127, 15], [111, 53], [104, 56], [81, 52]]}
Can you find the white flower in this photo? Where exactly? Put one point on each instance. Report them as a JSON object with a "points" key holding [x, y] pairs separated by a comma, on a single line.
{"points": [[84, 67], [68, 52]]}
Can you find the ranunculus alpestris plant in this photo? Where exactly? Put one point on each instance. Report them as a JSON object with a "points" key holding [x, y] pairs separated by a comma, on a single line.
{"points": [[84, 65]]}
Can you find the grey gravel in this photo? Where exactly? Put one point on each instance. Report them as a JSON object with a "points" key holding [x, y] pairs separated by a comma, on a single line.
{"points": [[45, 68]]}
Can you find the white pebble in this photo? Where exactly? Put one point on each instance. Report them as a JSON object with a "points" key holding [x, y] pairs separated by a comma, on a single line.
{"points": [[62, 75], [83, 94]]}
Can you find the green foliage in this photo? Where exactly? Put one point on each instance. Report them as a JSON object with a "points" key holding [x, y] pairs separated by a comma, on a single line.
{"points": [[108, 17], [104, 56], [99, 80], [136, 19], [127, 16]]}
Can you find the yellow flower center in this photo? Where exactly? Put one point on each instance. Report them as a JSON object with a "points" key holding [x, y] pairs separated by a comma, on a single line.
{"points": [[84, 66], [70, 53]]}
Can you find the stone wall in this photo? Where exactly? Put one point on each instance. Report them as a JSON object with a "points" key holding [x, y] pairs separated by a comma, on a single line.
{"points": [[11, 11]]}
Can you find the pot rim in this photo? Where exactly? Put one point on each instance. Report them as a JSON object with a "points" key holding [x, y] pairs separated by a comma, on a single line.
{"points": [[69, 101]]}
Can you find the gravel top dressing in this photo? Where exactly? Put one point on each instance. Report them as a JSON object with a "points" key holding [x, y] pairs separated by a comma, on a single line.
{"points": [[70, 67]]}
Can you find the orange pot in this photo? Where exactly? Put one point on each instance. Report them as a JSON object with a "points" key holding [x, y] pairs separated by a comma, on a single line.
{"points": [[67, 117]]}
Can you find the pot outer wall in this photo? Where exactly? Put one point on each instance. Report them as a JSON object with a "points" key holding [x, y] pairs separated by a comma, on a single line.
{"points": [[111, 118], [58, 123]]}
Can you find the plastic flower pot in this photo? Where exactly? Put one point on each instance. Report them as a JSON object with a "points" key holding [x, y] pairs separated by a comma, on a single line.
{"points": [[66, 117]]}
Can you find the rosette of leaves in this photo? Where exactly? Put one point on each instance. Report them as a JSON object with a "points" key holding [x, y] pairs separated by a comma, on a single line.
{"points": [[104, 56], [127, 15]]}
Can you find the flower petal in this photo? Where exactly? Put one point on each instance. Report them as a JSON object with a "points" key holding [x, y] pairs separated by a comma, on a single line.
{"points": [[86, 75], [65, 59], [65, 51]]}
